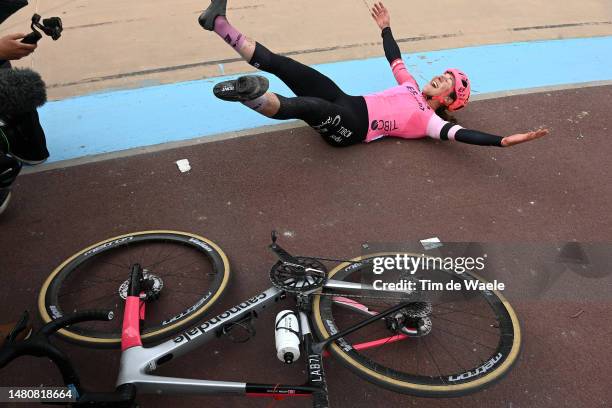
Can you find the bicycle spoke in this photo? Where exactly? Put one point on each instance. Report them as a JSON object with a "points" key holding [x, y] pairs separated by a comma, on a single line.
{"points": [[100, 298], [183, 267], [435, 306], [464, 339], [434, 361], [448, 352], [379, 348], [150, 266], [418, 354], [196, 277], [467, 325], [94, 284], [186, 292], [141, 256]]}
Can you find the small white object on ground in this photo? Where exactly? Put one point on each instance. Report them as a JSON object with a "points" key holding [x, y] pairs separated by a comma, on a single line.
{"points": [[183, 165], [431, 243]]}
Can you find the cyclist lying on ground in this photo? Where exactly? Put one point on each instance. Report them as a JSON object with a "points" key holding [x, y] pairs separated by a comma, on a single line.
{"points": [[402, 111]]}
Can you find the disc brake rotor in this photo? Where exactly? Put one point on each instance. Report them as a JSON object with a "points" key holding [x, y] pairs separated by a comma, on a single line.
{"points": [[155, 282]]}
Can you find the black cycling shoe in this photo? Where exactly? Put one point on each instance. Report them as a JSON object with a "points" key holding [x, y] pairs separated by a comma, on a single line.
{"points": [[207, 18], [245, 88]]}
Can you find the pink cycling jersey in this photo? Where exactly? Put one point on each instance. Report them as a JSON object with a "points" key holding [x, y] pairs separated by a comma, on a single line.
{"points": [[402, 111]]}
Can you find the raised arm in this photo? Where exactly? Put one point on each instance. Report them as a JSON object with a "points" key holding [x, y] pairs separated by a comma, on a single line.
{"points": [[380, 14]]}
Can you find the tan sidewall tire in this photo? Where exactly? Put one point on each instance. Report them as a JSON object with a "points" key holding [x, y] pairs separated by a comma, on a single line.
{"points": [[414, 388], [165, 331]]}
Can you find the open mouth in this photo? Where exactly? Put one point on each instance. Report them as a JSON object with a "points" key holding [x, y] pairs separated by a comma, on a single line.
{"points": [[437, 81]]}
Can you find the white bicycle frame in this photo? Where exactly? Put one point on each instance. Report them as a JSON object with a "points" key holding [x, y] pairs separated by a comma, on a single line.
{"points": [[138, 362]]}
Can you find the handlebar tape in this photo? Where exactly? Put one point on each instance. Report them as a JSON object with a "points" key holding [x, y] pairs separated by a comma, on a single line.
{"points": [[39, 346]]}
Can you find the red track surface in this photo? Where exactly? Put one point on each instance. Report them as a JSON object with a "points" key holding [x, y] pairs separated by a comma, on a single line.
{"points": [[327, 201]]}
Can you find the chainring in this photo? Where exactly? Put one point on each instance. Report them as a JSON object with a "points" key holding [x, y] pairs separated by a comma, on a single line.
{"points": [[305, 275]]}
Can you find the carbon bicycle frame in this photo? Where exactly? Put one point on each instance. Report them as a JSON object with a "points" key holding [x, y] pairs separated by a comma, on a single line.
{"points": [[138, 362]]}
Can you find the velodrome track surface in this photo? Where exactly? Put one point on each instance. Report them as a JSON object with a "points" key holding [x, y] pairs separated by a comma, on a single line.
{"points": [[327, 201]]}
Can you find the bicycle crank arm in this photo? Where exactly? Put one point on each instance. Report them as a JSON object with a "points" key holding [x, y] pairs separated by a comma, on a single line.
{"points": [[338, 284]]}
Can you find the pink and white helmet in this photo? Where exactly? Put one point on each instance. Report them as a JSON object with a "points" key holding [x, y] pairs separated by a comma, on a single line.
{"points": [[462, 89]]}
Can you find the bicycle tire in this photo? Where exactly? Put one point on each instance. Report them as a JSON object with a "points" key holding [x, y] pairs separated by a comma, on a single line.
{"points": [[208, 256], [423, 386]]}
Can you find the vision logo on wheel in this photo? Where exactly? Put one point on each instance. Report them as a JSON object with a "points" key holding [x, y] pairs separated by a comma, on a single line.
{"points": [[108, 245], [480, 370]]}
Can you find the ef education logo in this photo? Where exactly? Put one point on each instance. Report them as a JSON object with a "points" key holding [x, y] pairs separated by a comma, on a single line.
{"points": [[418, 97]]}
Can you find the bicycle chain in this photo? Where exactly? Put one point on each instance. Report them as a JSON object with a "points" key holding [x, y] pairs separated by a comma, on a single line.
{"points": [[354, 296]]}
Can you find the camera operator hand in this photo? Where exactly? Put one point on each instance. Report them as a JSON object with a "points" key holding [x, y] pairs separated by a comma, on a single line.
{"points": [[12, 49]]}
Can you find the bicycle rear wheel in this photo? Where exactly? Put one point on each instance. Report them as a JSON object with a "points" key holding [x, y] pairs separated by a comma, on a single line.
{"points": [[189, 272], [472, 338]]}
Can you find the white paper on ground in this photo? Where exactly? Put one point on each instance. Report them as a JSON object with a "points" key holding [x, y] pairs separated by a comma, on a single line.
{"points": [[183, 165], [431, 243]]}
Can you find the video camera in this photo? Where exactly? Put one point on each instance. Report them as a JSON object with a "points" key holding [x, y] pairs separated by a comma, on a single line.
{"points": [[50, 26]]}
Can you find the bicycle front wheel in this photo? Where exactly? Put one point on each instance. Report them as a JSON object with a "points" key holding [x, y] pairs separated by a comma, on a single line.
{"points": [[188, 273], [466, 339]]}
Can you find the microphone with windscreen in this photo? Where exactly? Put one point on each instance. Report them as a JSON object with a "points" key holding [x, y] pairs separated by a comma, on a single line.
{"points": [[21, 134], [21, 91]]}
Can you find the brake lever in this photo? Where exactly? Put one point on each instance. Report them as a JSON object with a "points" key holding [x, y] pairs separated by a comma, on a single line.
{"points": [[21, 325]]}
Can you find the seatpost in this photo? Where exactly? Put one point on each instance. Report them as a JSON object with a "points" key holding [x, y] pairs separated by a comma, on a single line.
{"points": [[316, 373]]}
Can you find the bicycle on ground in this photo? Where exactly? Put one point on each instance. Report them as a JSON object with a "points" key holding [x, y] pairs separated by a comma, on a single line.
{"points": [[406, 340]]}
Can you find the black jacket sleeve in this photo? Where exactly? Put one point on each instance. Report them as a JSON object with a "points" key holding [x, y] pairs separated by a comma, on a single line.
{"points": [[392, 51], [10, 7]]}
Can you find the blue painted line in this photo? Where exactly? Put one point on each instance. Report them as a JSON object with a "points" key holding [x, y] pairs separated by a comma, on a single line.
{"points": [[119, 120]]}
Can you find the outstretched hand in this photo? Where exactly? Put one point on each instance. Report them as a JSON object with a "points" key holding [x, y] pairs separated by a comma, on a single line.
{"points": [[380, 14], [523, 137], [11, 48]]}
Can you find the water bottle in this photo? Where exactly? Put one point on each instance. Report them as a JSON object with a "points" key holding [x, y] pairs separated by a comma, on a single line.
{"points": [[287, 336]]}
